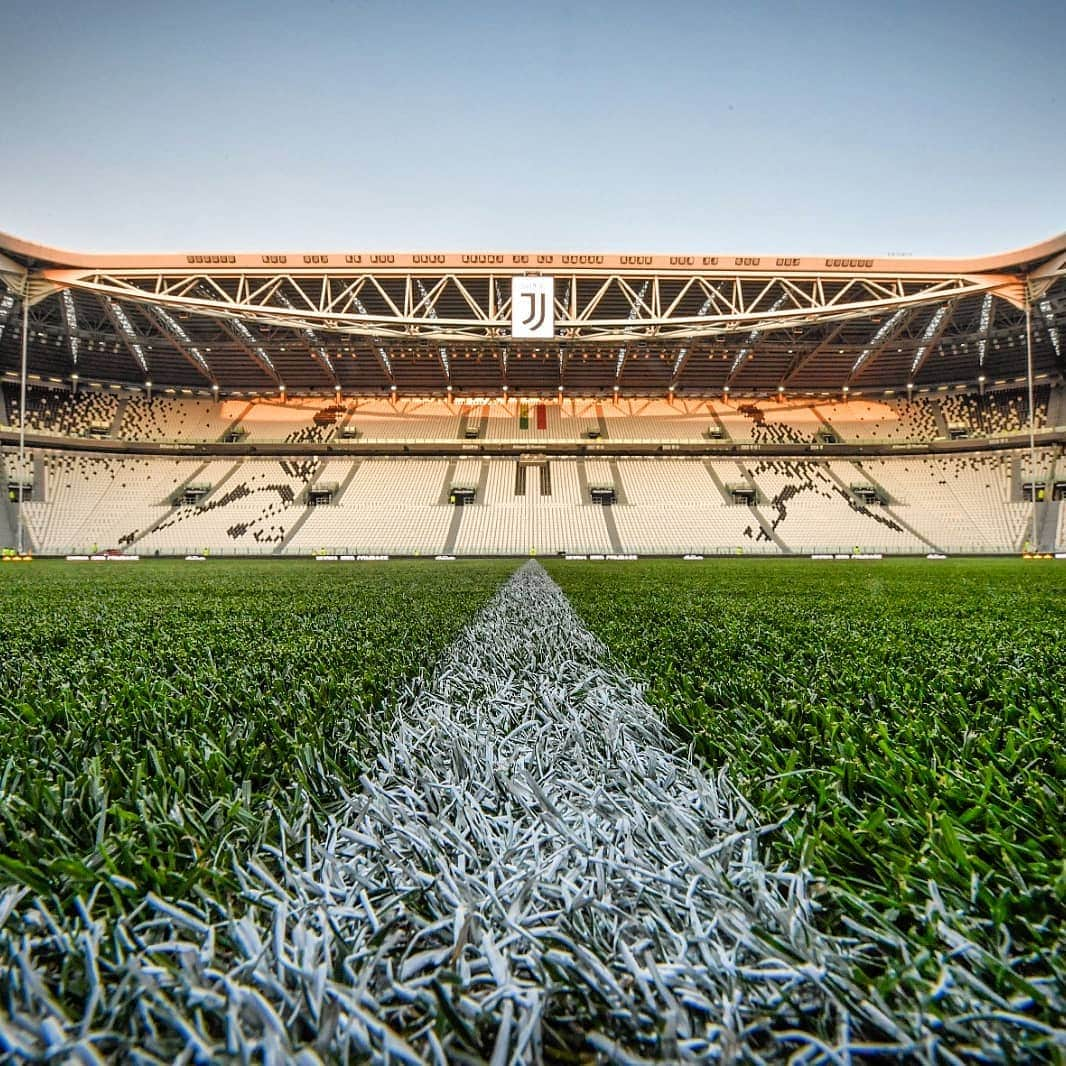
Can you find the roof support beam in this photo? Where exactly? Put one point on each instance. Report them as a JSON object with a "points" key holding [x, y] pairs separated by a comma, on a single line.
{"points": [[314, 346], [804, 359], [171, 329], [937, 327], [124, 330], [242, 337], [1045, 275], [888, 332], [782, 302]]}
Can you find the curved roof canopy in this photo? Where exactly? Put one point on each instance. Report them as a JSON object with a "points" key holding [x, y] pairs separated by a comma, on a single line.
{"points": [[440, 323]]}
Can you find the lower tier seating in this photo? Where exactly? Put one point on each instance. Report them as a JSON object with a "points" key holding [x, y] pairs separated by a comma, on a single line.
{"points": [[162, 505]]}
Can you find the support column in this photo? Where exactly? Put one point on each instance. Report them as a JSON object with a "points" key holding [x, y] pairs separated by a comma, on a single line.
{"points": [[22, 414]]}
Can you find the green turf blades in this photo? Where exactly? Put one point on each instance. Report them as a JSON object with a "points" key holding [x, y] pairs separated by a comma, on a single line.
{"points": [[154, 721], [910, 721]]}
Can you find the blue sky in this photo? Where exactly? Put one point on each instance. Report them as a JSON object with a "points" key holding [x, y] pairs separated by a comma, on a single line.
{"points": [[922, 128]]}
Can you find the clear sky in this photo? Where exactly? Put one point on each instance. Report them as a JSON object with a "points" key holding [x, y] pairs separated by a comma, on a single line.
{"points": [[466, 125]]}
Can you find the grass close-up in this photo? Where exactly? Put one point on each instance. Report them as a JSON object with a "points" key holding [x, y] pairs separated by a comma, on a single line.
{"points": [[154, 720], [906, 719], [418, 797]]}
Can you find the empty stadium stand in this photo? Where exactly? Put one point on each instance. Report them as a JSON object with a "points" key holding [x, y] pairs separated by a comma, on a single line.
{"points": [[969, 503], [167, 417]]}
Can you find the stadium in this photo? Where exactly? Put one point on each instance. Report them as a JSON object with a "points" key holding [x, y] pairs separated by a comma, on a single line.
{"points": [[340, 404], [411, 807], [532, 534]]}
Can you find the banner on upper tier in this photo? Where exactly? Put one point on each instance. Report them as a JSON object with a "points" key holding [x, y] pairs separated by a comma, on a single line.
{"points": [[532, 308]]}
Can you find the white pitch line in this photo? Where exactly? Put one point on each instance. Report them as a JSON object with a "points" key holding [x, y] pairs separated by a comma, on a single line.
{"points": [[530, 861]]}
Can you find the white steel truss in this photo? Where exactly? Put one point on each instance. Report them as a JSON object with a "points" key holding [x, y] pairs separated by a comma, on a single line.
{"points": [[609, 308]]}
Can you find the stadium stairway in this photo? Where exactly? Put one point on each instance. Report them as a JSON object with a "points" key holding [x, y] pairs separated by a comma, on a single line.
{"points": [[446, 484], [452, 536], [341, 422], [216, 489], [455, 524], [40, 477], [120, 413], [483, 479], [443, 500], [601, 422], [718, 422], [619, 488], [938, 416], [1016, 493], [583, 482], [174, 505], [887, 507], [7, 521], [236, 422], [343, 486], [708, 465], [824, 421], [1048, 513], [764, 523], [9, 514], [1048, 525], [1056, 408], [305, 513], [612, 528]]}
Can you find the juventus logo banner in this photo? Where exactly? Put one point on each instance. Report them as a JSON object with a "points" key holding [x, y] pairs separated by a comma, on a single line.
{"points": [[532, 307]]}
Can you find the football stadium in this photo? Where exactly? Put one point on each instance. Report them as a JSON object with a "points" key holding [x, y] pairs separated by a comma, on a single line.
{"points": [[486, 404], [419, 804], [603, 601]]}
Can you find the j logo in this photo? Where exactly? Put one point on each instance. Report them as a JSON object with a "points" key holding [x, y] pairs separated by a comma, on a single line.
{"points": [[532, 307], [537, 303]]}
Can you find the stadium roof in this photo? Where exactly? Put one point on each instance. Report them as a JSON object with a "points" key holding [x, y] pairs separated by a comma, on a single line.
{"points": [[436, 323]]}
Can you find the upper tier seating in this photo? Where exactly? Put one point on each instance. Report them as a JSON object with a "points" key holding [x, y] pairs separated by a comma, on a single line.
{"points": [[866, 420], [168, 418], [52, 411], [1004, 411], [788, 420], [291, 421]]}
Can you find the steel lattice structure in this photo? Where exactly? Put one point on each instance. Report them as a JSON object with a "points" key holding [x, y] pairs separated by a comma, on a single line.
{"points": [[432, 324]]}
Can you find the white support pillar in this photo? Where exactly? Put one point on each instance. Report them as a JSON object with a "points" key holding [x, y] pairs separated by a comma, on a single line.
{"points": [[1032, 414], [22, 414]]}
